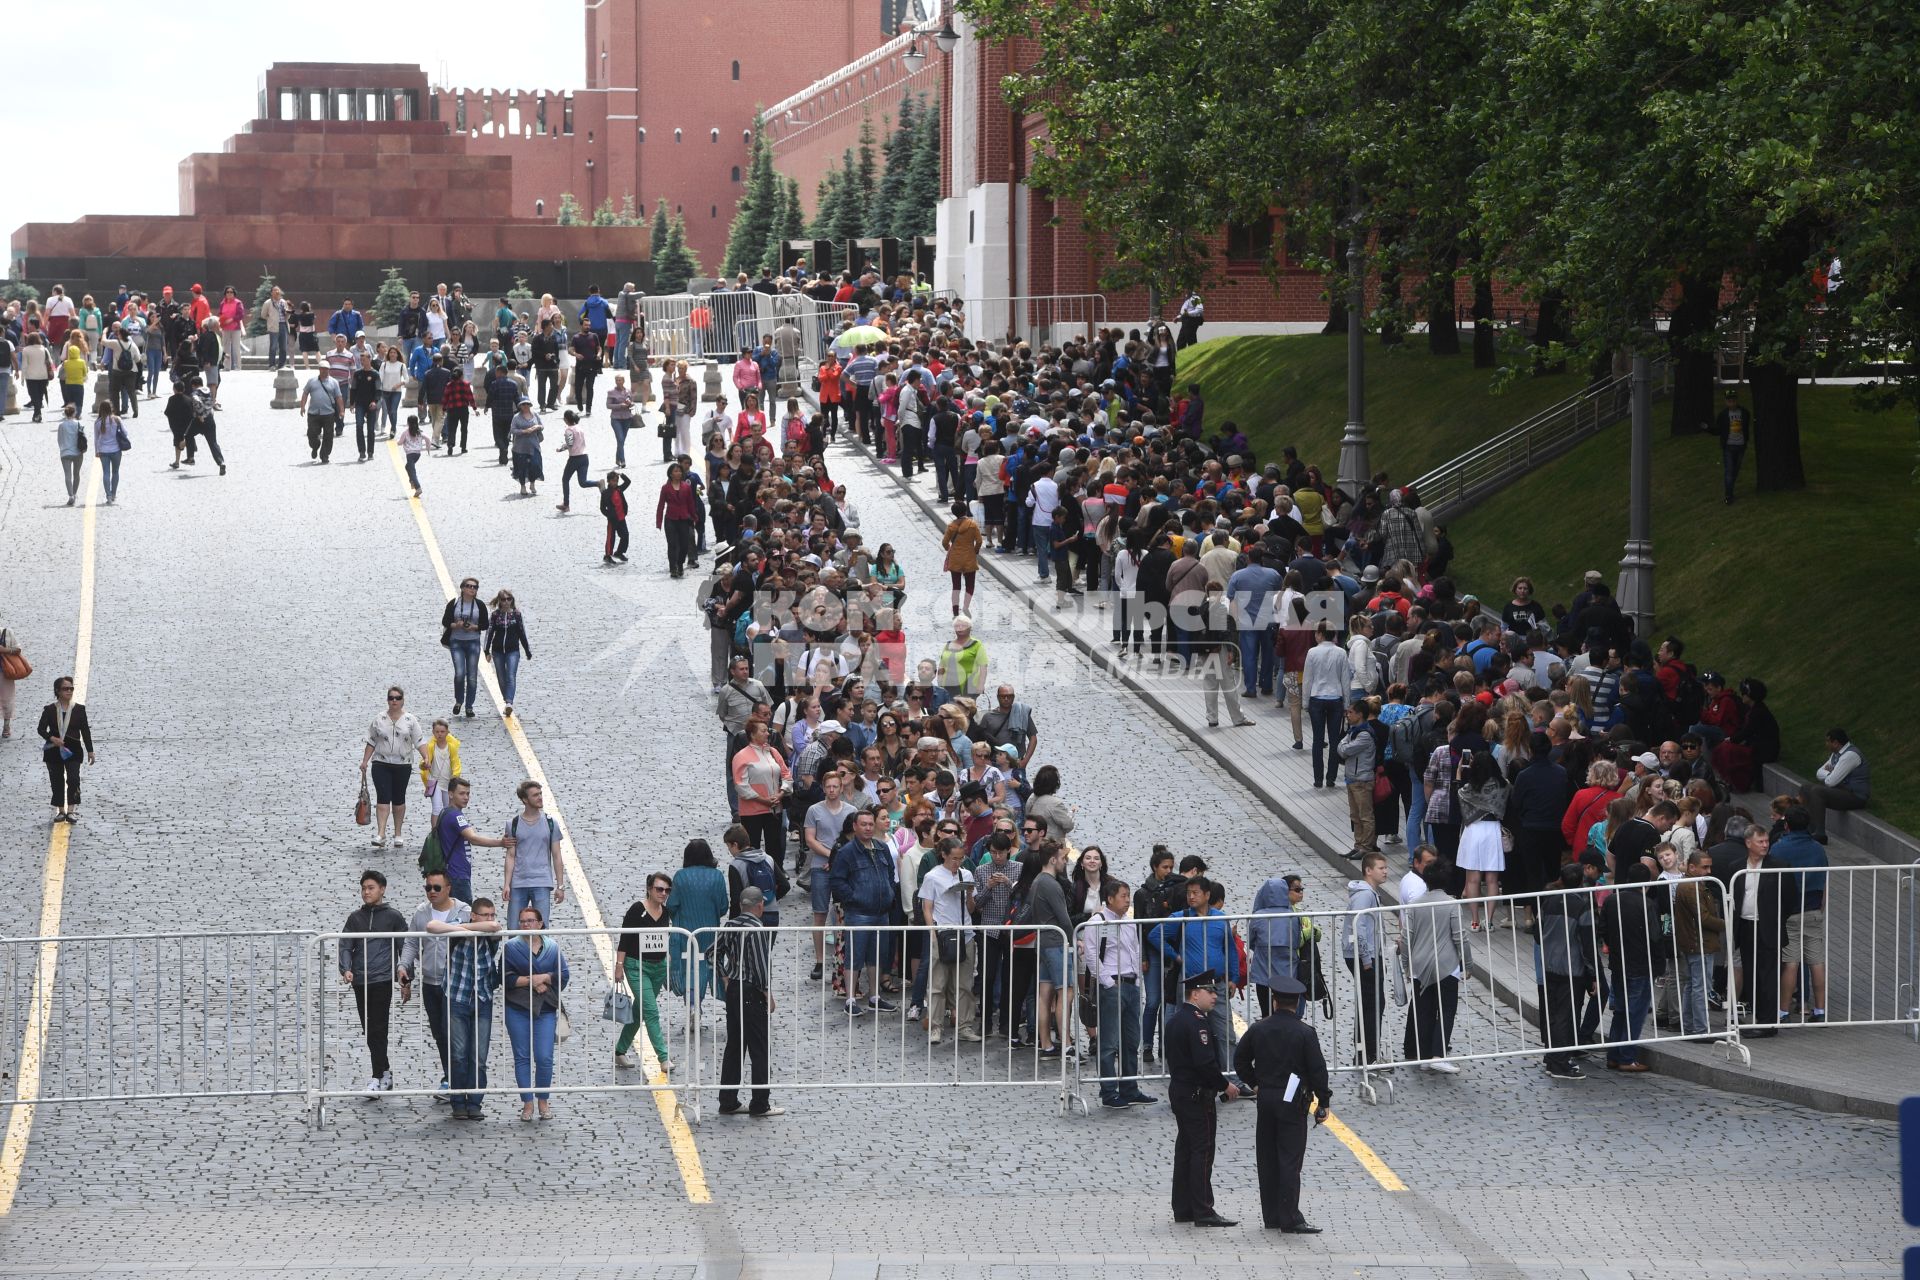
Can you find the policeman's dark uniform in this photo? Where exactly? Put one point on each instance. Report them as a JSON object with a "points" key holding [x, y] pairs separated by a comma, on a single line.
{"points": [[1196, 1078], [1276, 1047]]}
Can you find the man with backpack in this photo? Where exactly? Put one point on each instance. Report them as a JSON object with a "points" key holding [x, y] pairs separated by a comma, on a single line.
{"points": [[534, 874]]}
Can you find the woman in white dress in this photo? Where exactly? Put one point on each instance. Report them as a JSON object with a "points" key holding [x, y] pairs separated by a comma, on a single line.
{"points": [[1483, 802]]}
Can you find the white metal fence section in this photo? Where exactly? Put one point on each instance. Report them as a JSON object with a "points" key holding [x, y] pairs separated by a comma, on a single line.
{"points": [[838, 1032], [1832, 946], [152, 1016], [496, 1050], [688, 326], [1037, 319]]}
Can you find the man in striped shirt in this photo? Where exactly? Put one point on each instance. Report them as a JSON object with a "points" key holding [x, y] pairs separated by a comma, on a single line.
{"points": [[861, 371], [744, 961]]}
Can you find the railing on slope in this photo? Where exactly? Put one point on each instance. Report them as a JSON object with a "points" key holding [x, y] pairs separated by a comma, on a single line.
{"points": [[1454, 486]]}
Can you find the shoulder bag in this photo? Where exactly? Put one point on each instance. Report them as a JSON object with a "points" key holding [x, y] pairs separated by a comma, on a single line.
{"points": [[362, 808], [15, 665]]}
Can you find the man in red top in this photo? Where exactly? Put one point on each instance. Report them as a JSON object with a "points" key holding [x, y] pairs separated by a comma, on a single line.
{"points": [[1670, 670], [199, 309]]}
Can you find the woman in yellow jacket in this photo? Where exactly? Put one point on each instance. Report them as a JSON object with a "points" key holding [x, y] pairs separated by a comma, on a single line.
{"points": [[73, 370], [440, 766]]}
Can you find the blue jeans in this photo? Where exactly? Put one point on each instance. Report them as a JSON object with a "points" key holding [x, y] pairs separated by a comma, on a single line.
{"points": [[1043, 549], [1696, 977], [1730, 457], [1150, 1023], [469, 1040], [1119, 1039], [506, 666], [276, 348], [1256, 659], [156, 361], [1632, 997], [537, 896], [110, 473], [1326, 715], [1416, 808], [622, 334], [6, 384], [407, 347], [466, 669], [620, 428], [866, 947], [946, 471], [390, 409], [532, 1051]]}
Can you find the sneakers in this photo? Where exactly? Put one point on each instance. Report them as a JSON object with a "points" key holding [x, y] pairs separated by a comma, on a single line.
{"points": [[1569, 1072], [1115, 1104], [971, 1036], [374, 1087], [625, 1061], [882, 1004], [855, 1009], [1443, 1067], [386, 1082], [933, 1036], [769, 1112]]}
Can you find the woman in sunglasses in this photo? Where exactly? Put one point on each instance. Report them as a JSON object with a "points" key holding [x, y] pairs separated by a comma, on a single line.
{"points": [[463, 629], [396, 745], [642, 955]]}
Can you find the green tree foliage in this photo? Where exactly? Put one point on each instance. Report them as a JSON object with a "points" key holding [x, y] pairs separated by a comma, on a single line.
{"points": [[521, 291], [570, 213], [898, 151], [391, 298], [657, 244], [754, 216], [915, 212], [16, 289], [850, 212], [629, 215], [604, 215], [676, 264], [788, 223], [256, 318]]}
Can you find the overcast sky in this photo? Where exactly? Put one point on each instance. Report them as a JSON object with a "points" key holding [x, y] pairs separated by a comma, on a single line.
{"points": [[166, 82]]}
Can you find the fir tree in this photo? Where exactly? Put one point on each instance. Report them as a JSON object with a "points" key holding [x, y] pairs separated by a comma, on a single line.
{"points": [[851, 211], [521, 291], [920, 201], [883, 211], [256, 317], [569, 215], [759, 205], [676, 264], [658, 242], [16, 289], [390, 300], [629, 215], [864, 184], [604, 216], [787, 224]]}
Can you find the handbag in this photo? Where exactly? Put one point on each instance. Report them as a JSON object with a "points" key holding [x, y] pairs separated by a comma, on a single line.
{"points": [[946, 945], [618, 1006], [562, 1024], [362, 808], [1382, 786], [15, 665]]}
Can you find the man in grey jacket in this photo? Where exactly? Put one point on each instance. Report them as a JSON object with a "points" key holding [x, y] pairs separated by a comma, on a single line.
{"points": [[366, 965], [1437, 955], [1360, 948], [1563, 928], [426, 958]]}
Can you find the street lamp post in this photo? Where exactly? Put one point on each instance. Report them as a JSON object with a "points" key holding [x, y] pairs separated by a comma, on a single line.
{"points": [[1355, 468], [1635, 592]]}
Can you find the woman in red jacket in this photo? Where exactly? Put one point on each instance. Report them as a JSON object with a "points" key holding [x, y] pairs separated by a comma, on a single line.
{"points": [[829, 376], [1590, 803], [675, 513]]}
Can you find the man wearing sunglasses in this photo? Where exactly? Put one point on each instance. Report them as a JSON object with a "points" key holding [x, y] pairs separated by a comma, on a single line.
{"points": [[426, 958]]}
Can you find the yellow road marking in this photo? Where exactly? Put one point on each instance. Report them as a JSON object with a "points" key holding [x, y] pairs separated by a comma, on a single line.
{"points": [[53, 885], [679, 1134], [1368, 1158]]}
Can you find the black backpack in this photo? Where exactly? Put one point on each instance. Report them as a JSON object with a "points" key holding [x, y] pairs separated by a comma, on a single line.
{"points": [[1689, 699], [123, 363]]}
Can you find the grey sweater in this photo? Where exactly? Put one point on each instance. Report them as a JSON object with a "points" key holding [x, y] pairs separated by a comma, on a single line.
{"points": [[1436, 940]]}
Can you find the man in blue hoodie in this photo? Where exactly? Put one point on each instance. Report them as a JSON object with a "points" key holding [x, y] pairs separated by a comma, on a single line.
{"points": [[1360, 948], [1202, 941], [861, 877]]}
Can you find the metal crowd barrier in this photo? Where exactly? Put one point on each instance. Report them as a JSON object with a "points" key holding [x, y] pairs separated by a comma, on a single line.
{"points": [[423, 1025], [815, 1042], [1038, 318], [1823, 947], [118, 1017]]}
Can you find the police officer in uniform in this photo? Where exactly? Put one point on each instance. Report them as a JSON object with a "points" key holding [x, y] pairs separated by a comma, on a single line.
{"points": [[1196, 1077], [1274, 1049]]}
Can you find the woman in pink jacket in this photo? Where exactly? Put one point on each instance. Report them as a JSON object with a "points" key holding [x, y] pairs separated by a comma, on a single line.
{"points": [[233, 319]]}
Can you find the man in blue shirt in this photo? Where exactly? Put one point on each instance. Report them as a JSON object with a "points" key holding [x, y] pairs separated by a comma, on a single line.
{"points": [[861, 371], [347, 321], [1252, 590], [1200, 940], [1806, 928], [595, 312]]}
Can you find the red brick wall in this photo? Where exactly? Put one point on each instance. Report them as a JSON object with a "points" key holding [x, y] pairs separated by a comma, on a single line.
{"points": [[812, 135]]}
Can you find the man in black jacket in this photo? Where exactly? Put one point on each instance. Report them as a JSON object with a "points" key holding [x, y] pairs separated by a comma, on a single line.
{"points": [[1535, 806], [1637, 953], [1279, 1051], [367, 966], [412, 323]]}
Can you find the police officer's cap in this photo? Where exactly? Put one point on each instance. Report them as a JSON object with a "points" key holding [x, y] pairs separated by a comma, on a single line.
{"points": [[1288, 985], [1204, 979]]}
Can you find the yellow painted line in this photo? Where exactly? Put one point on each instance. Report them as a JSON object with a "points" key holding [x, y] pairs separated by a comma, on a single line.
{"points": [[1368, 1158], [679, 1134], [53, 886]]}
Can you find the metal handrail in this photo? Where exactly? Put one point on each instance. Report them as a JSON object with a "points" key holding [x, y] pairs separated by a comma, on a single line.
{"points": [[1488, 467]]}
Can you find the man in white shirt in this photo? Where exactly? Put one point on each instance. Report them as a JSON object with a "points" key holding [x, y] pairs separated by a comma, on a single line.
{"points": [[946, 905], [1327, 677], [1044, 498], [821, 833], [1110, 950]]}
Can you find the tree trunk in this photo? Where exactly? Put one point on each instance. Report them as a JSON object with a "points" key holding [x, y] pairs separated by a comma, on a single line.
{"points": [[1776, 424], [1392, 332], [1443, 322], [1549, 327], [1336, 291], [1690, 344], [1485, 356]]}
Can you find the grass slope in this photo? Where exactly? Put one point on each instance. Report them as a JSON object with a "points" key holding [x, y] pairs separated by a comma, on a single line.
{"points": [[1421, 409], [1811, 591]]}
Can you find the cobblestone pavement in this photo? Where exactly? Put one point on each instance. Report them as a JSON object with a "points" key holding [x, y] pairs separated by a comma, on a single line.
{"points": [[246, 627]]}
